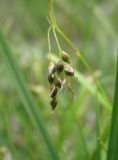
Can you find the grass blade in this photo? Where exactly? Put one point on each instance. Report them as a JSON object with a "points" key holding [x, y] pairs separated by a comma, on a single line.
{"points": [[113, 140], [24, 93], [98, 127]]}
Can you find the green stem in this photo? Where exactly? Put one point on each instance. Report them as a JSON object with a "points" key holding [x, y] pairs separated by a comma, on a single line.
{"points": [[98, 136], [112, 153], [49, 39], [49, 45], [57, 41], [51, 13]]}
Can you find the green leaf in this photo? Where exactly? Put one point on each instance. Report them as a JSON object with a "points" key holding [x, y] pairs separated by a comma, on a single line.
{"points": [[24, 93], [113, 140]]}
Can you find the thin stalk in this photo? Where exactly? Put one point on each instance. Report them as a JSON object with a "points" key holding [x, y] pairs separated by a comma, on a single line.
{"points": [[51, 13], [49, 39], [98, 136], [49, 45], [59, 48], [112, 153]]}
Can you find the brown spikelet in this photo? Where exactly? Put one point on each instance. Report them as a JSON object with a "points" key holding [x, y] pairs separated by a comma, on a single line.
{"points": [[68, 70], [53, 103], [53, 91], [59, 66], [65, 57]]}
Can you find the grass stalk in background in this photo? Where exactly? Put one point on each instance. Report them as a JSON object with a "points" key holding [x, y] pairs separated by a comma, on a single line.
{"points": [[98, 136], [113, 140], [24, 93]]}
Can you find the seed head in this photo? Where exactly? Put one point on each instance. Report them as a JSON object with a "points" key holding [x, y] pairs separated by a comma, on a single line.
{"points": [[53, 91], [65, 57], [59, 67], [53, 103], [51, 68], [68, 70], [51, 78], [58, 82]]}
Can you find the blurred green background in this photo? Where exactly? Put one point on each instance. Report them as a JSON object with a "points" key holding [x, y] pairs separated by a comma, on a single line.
{"points": [[92, 26]]}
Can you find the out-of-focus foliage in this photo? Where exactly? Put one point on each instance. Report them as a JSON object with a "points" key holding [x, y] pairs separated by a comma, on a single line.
{"points": [[93, 28]]}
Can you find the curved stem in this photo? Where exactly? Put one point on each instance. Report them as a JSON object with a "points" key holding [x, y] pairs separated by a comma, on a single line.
{"points": [[49, 45], [51, 13], [57, 41]]}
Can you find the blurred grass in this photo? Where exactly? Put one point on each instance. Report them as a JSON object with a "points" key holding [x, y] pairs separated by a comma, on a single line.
{"points": [[92, 27], [24, 93], [112, 148]]}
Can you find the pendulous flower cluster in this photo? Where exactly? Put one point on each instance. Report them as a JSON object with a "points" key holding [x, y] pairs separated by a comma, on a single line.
{"points": [[54, 77]]}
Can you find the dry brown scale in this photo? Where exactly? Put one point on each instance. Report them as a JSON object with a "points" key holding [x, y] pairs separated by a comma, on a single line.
{"points": [[54, 76]]}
